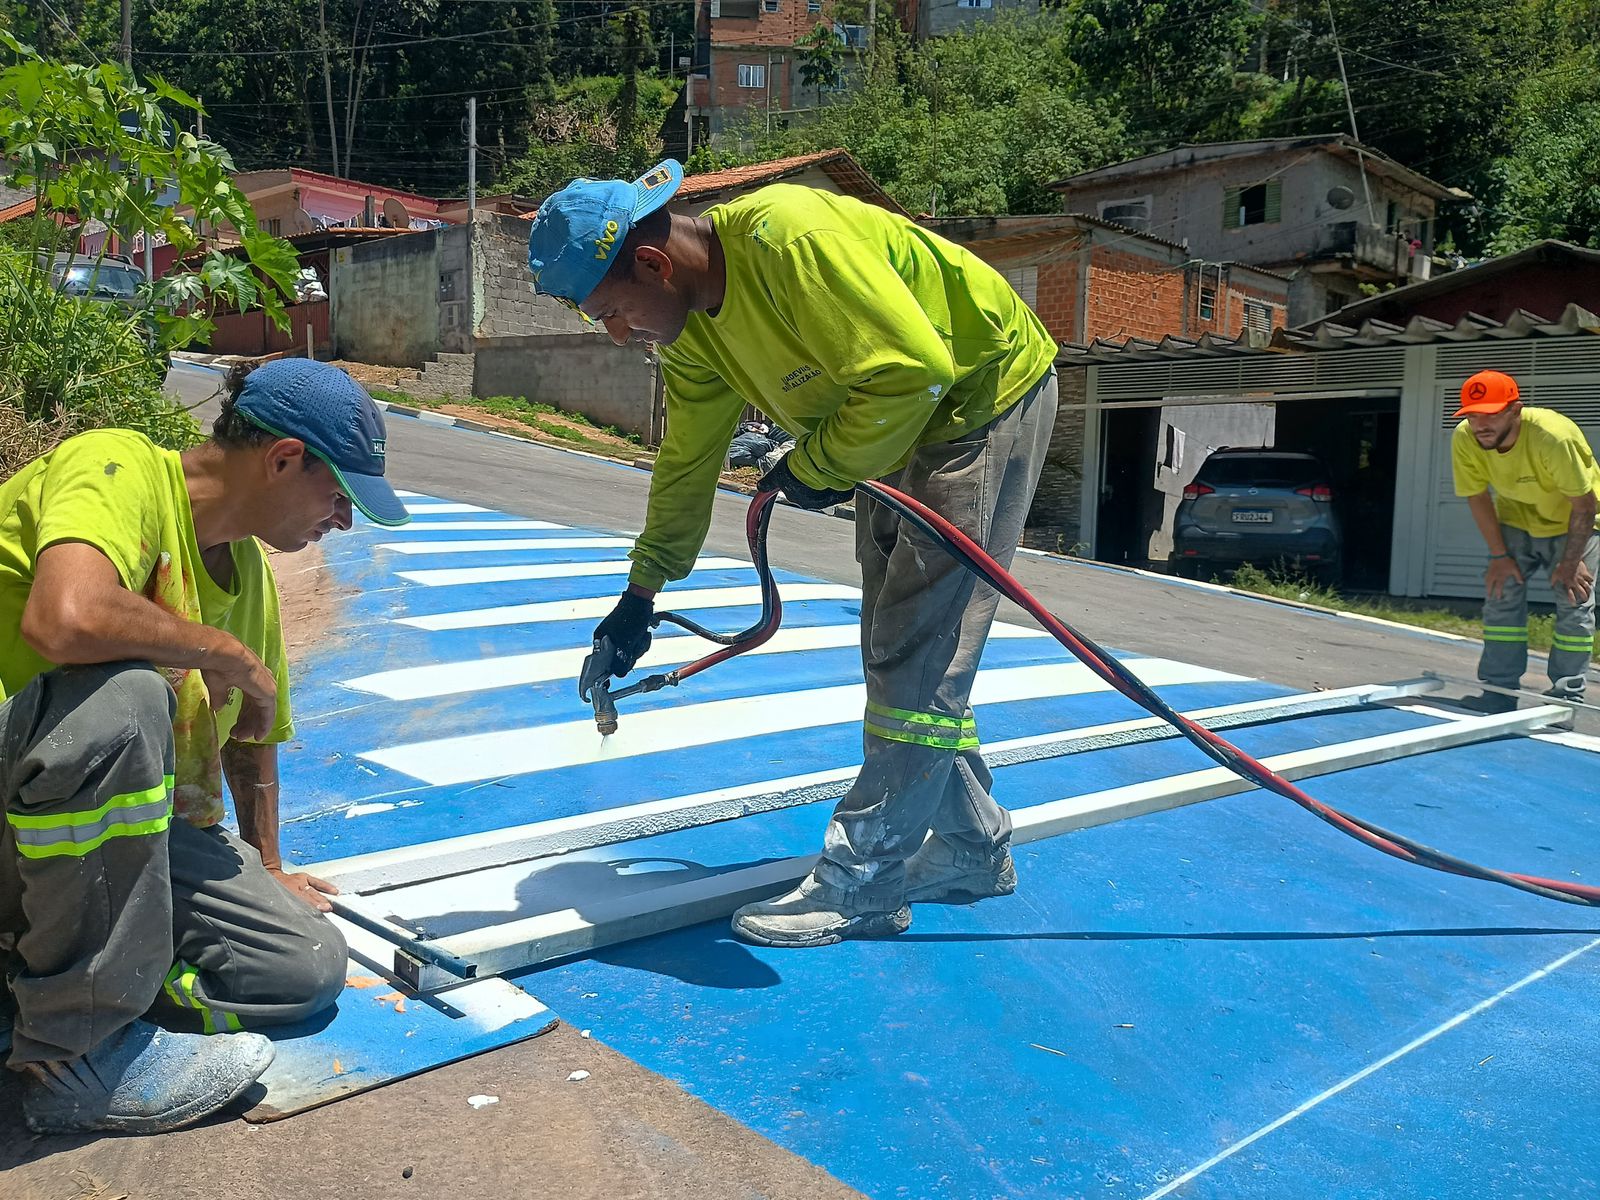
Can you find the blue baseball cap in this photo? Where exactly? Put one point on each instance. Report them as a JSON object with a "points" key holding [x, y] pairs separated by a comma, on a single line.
{"points": [[336, 419], [577, 232]]}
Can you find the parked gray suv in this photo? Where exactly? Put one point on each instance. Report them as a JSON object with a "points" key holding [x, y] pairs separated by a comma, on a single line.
{"points": [[1266, 507]]}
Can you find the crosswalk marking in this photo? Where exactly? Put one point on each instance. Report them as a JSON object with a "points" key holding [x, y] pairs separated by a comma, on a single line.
{"points": [[680, 600], [440, 510], [491, 545], [509, 752], [473, 526], [513, 670], [447, 577]]}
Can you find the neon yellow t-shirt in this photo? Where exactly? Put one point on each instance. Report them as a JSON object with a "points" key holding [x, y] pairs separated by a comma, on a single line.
{"points": [[116, 491], [857, 330], [1535, 480]]}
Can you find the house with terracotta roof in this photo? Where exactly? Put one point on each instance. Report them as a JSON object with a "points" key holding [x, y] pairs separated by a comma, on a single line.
{"points": [[830, 170]]}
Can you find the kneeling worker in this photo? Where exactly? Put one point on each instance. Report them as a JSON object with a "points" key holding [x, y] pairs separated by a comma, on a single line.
{"points": [[893, 354], [143, 661], [1541, 516]]}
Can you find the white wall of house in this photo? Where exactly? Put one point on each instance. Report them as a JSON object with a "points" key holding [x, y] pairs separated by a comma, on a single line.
{"points": [[1187, 205]]}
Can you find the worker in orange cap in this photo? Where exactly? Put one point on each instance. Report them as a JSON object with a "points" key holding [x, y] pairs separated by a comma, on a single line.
{"points": [[1542, 515]]}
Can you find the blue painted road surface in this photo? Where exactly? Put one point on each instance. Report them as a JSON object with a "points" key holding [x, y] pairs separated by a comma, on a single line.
{"points": [[1228, 1000]]}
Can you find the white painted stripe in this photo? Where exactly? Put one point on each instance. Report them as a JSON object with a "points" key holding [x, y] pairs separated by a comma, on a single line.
{"points": [[440, 510], [688, 600], [418, 863], [512, 670], [475, 526], [617, 906], [1350, 1081], [490, 545], [446, 577], [413, 495], [550, 747]]}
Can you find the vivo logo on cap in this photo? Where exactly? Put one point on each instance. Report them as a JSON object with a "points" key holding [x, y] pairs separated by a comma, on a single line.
{"points": [[604, 243]]}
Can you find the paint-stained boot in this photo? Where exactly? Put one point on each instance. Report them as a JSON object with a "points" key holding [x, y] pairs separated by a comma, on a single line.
{"points": [[815, 914], [143, 1079], [939, 873]]}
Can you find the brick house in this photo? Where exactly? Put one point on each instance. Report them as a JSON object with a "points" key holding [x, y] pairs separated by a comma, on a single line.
{"points": [[1091, 279], [745, 62], [1334, 214]]}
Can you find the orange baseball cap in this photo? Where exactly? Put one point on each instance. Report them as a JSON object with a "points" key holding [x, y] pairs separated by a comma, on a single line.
{"points": [[1487, 392]]}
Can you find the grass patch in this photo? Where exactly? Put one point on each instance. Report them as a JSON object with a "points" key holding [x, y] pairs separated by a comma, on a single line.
{"points": [[544, 421], [1284, 586]]}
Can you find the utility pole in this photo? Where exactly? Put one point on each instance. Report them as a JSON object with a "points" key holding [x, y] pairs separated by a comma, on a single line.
{"points": [[472, 157], [127, 36], [327, 83], [1350, 108]]}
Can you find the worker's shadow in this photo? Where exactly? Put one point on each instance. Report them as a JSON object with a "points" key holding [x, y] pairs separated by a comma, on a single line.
{"points": [[590, 883]]}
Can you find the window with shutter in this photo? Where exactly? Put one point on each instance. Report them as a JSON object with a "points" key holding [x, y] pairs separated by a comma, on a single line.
{"points": [[1230, 208], [1258, 204]]}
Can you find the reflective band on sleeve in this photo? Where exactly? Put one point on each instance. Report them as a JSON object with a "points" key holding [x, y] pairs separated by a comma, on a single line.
{"points": [[1562, 641], [921, 729], [132, 814]]}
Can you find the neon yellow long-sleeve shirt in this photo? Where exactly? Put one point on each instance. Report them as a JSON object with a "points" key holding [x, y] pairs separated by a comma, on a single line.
{"points": [[854, 328]]}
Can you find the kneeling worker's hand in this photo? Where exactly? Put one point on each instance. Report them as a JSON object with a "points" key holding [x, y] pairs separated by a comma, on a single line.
{"points": [[781, 479], [619, 641]]}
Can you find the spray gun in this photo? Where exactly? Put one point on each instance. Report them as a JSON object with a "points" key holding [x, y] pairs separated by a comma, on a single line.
{"points": [[594, 682]]}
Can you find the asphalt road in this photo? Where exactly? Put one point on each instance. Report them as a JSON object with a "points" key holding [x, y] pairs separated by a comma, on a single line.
{"points": [[1119, 609], [628, 1132]]}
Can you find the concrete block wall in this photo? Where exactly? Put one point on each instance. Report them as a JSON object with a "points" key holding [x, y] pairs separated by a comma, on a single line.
{"points": [[503, 301], [384, 299], [577, 373]]}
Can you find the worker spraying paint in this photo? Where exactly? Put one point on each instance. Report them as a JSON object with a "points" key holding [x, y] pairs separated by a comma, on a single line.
{"points": [[894, 354]]}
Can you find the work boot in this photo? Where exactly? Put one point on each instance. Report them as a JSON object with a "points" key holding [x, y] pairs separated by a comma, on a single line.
{"points": [[142, 1079], [1489, 702], [815, 914], [1570, 688], [938, 873]]}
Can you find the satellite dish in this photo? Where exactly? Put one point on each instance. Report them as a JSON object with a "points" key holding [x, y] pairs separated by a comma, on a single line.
{"points": [[1340, 197], [300, 222], [395, 213]]}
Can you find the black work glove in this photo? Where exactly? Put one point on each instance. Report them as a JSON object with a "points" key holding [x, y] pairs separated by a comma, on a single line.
{"points": [[781, 479], [619, 642]]}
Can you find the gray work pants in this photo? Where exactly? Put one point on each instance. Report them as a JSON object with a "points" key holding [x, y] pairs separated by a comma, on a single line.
{"points": [[923, 628], [1505, 621], [115, 908]]}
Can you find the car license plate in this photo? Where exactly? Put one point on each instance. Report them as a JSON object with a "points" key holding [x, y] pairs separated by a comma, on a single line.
{"points": [[1252, 516]]}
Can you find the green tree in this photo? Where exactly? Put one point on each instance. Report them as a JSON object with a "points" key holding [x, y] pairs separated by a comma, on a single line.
{"points": [[1549, 181], [1177, 69], [820, 66], [978, 122], [93, 145]]}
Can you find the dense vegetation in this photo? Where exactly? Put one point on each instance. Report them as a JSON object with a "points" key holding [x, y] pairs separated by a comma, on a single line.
{"points": [[1498, 97], [94, 149]]}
